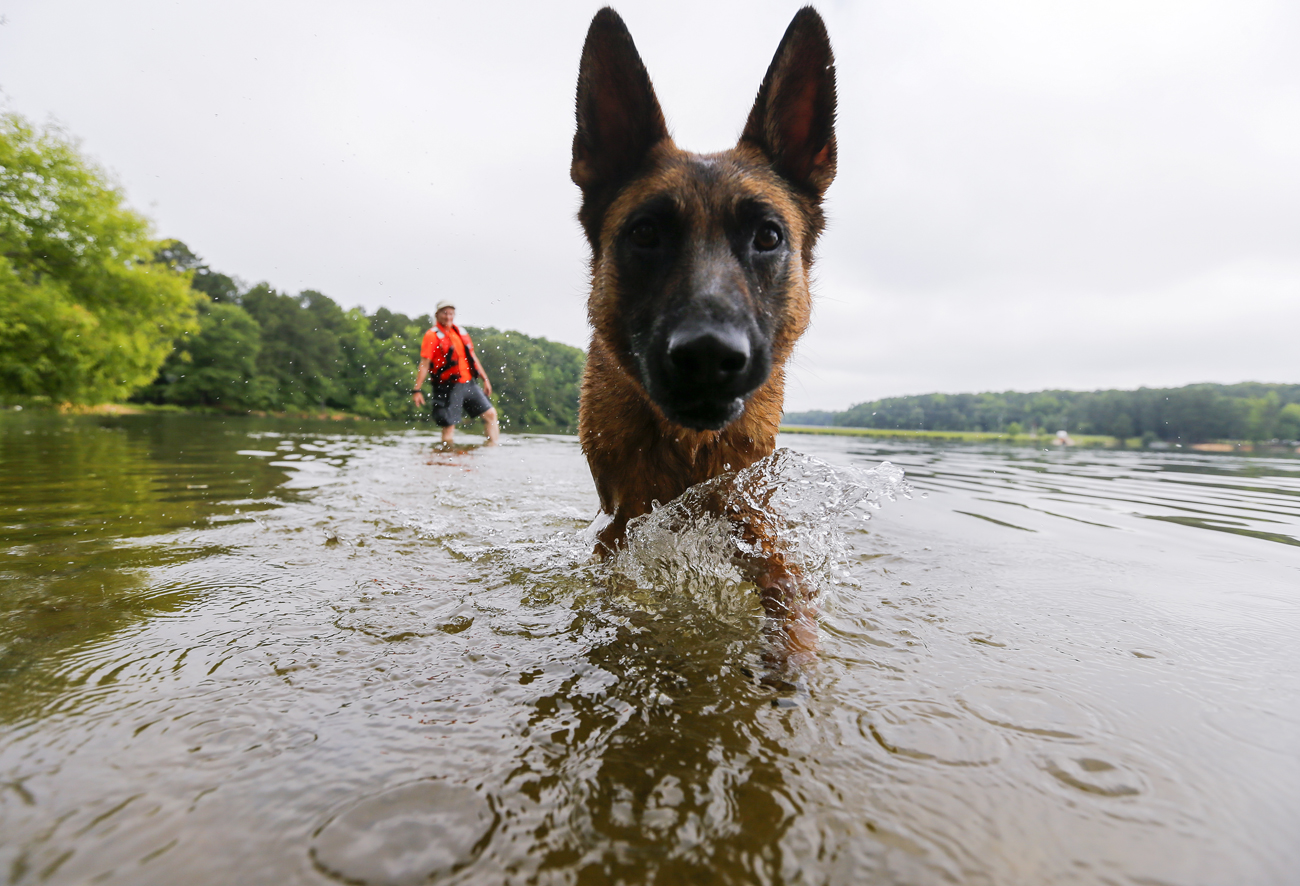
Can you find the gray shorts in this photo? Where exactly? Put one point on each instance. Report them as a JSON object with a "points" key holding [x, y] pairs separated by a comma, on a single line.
{"points": [[448, 401]]}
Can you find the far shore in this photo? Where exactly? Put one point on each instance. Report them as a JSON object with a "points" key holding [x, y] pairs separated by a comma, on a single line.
{"points": [[1076, 441]]}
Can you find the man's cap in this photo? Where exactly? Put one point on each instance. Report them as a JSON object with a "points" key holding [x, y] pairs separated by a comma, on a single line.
{"points": [[445, 303]]}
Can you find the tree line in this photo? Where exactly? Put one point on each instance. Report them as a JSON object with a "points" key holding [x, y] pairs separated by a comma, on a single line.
{"points": [[259, 349], [94, 309], [1194, 413]]}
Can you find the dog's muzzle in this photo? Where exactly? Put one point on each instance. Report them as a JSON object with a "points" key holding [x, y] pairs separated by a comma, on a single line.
{"points": [[705, 372]]}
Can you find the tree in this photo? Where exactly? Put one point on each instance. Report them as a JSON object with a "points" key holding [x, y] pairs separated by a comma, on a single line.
{"points": [[535, 380], [378, 371], [86, 314], [216, 367], [1250, 410], [1262, 415], [1287, 426], [300, 355], [386, 324], [216, 286]]}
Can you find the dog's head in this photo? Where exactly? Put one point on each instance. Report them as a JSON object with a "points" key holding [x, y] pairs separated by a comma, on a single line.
{"points": [[700, 262]]}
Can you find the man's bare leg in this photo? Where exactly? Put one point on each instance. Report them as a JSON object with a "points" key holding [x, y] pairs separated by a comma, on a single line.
{"points": [[447, 434], [493, 428]]}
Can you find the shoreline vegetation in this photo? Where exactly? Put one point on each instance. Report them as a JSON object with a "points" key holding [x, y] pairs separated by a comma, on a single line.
{"points": [[1201, 415], [1046, 441], [1042, 440]]}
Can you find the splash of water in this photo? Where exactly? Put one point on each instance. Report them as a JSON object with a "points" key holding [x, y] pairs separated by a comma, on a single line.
{"points": [[686, 549]]}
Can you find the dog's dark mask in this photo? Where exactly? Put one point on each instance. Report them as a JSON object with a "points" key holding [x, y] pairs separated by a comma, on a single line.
{"points": [[701, 274], [697, 250]]}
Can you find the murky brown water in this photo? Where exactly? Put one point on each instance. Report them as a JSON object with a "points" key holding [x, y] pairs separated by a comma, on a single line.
{"points": [[242, 651]]}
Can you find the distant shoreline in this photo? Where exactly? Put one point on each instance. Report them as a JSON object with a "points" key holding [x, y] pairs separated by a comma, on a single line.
{"points": [[1077, 441], [1046, 441], [1084, 440], [1205, 416]]}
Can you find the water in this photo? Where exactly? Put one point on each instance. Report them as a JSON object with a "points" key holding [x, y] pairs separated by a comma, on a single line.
{"points": [[248, 651]]}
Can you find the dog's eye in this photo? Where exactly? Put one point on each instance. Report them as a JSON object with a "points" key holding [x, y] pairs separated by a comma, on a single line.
{"points": [[767, 238], [644, 235]]}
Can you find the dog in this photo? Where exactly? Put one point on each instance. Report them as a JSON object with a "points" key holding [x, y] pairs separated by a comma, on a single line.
{"points": [[699, 284]]}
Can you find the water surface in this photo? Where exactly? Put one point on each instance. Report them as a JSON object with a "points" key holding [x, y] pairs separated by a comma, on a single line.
{"points": [[240, 650]]}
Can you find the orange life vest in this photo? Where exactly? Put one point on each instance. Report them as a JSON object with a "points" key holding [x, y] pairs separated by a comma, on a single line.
{"points": [[448, 363]]}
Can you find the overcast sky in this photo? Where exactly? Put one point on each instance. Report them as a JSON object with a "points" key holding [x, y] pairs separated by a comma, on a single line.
{"points": [[1030, 195]]}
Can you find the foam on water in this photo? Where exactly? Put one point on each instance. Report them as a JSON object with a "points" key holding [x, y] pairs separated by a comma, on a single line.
{"points": [[687, 551]]}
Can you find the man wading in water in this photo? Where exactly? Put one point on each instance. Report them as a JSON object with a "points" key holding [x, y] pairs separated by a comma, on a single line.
{"points": [[447, 349]]}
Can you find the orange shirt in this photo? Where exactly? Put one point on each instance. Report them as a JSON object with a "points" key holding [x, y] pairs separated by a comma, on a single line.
{"points": [[434, 349]]}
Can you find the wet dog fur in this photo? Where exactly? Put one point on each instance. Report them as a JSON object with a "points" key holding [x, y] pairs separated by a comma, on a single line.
{"points": [[700, 281]]}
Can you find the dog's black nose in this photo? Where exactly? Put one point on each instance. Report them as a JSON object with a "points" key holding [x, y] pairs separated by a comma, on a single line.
{"points": [[713, 356]]}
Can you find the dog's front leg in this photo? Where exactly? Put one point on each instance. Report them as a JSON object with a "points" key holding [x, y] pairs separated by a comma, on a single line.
{"points": [[784, 588]]}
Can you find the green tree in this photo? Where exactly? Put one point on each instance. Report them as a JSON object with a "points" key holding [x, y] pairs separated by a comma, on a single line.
{"points": [[378, 371], [216, 286], [535, 380], [86, 314], [1287, 426], [386, 324], [1193, 413], [215, 367], [1262, 416], [300, 358]]}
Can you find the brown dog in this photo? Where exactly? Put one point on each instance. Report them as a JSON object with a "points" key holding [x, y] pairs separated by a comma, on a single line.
{"points": [[700, 268]]}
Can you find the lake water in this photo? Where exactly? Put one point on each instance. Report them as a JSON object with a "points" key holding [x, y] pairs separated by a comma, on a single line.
{"points": [[250, 651]]}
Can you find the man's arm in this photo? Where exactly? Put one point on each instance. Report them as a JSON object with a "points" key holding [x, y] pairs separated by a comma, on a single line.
{"points": [[420, 376], [487, 385]]}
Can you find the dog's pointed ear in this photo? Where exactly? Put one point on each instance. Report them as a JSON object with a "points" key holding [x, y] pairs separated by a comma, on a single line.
{"points": [[793, 119], [619, 118]]}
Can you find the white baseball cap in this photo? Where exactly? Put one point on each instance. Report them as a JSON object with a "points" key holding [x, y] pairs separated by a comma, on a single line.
{"points": [[445, 303]]}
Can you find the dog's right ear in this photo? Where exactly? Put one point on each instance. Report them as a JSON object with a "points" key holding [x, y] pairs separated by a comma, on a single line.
{"points": [[619, 118]]}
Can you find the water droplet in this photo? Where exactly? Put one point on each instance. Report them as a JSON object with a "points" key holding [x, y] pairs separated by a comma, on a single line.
{"points": [[406, 835]]}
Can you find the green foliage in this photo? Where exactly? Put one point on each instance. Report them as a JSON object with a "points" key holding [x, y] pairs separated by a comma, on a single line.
{"points": [[260, 349], [216, 367], [1288, 422], [301, 356], [218, 287], [1249, 411], [812, 418], [86, 314], [1261, 414], [536, 380], [378, 371]]}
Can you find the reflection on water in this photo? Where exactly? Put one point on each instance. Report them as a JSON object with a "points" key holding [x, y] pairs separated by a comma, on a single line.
{"points": [[88, 507], [254, 651]]}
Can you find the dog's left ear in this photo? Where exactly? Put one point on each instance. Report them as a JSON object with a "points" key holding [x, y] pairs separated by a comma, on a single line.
{"points": [[793, 119]]}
